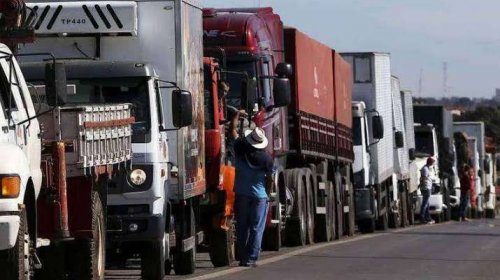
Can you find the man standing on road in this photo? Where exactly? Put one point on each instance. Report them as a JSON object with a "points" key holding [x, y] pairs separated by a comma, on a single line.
{"points": [[425, 189], [254, 167], [467, 180]]}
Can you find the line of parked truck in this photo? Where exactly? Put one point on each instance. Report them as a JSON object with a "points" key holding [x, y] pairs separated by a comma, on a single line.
{"points": [[115, 146]]}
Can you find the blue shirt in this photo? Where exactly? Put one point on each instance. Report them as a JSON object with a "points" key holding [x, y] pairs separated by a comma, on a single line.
{"points": [[252, 167]]}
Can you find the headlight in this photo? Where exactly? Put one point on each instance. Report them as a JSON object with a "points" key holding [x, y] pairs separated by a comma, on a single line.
{"points": [[138, 177], [11, 186]]}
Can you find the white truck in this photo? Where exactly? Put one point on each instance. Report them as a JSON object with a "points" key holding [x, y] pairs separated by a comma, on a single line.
{"points": [[407, 102], [149, 53], [373, 139], [477, 131], [434, 138], [399, 195], [58, 163]]}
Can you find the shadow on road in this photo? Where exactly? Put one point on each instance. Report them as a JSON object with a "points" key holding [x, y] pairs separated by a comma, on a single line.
{"points": [[397, 258]]}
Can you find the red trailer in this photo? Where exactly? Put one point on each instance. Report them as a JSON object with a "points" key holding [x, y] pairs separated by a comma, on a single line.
{"points": [[310, 141]]}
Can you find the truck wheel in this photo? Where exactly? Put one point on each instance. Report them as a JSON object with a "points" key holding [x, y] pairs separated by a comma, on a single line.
{"points": [[154, 263], [366, 225], [89, 255], [296, 227], [490, 214], [383, 221], [17, 262], [404, 208], [222, 246], [411, 208], [323, 221], [310, 206], [339, 208], [395, 218], [185, 262], [351, 215]]}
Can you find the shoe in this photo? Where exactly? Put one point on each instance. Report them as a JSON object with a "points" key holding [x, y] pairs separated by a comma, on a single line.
{"points": [[431, 222]]}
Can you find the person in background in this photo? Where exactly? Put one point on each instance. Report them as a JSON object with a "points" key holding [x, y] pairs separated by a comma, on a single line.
{"points": [[466, 184], [254, 167], [425, 189]]}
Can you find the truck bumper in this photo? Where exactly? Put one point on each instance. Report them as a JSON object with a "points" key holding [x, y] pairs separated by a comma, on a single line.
{"points": [[135, 228], [9, 227]]}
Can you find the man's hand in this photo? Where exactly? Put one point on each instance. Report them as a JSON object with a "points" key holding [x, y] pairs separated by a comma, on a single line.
{"points": [[269, 183]]}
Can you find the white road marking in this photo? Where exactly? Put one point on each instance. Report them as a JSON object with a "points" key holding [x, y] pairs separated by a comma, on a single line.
{"points": [[303, 251]]}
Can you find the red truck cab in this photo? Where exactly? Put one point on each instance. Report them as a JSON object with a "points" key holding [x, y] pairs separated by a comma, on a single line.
{"points": [[251, 41]]}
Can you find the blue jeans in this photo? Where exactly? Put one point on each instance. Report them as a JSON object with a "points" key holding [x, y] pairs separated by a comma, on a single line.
{"points": [[464, 202], [251, 216], [424, 209]]}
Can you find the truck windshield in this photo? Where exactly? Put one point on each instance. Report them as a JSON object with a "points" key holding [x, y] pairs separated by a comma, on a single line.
{"points": [[234, 96], [118, 90], [424, 143], [356, 132]]}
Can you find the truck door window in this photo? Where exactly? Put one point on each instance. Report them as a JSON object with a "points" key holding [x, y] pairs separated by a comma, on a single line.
{"points": [[362, 69], [5, 94], [234, 96], [357, 132], [266, 83]]}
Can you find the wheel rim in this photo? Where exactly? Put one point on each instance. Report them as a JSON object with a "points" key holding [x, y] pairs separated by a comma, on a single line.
{"points": [[100, 248]]}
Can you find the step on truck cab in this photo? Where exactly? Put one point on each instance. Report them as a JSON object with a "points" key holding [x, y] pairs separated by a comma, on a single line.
{"points": [[434, 137], [148, 53], [374, 168]]}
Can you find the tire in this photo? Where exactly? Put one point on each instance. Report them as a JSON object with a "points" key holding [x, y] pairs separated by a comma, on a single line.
{"points": [[351, 216], [185, 262], [490, 214], [324, 227], [296, 228], [404, 208], [383, 222], [339, 209], [438, 218], [447, 212], [366, 226], [332, 207], [411, 209], [154, 264], [310, 205], [17, 263], [88, 256], [222, 248]]}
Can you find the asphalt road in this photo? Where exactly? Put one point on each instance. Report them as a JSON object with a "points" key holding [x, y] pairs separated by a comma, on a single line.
{"points": [[443, 251]]}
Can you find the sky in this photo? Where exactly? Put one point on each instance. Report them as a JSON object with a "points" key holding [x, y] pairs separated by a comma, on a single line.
{"points": [[420, 35]]}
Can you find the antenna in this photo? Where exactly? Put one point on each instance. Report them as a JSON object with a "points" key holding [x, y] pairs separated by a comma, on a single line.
{"points": [[445, 79], [420, 82]]}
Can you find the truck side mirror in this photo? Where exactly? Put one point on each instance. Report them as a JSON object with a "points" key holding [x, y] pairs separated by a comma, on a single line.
{"points": [[182, 108], [283, 70], [377, 127], [282, 92], [399, 139], [55, 84], [411, 154]]}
